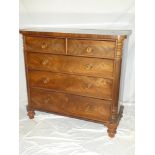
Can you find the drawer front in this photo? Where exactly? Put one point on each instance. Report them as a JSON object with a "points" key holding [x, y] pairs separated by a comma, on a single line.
{"points": [[71, 105], [49, 45], [91, 48], [71, 64], [81, 85]]}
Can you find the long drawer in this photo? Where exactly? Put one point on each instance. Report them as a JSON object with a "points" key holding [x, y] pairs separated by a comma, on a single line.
{"points": [[91, 48], [48, 45], [71, 64], [71, 105], [81, 85]]}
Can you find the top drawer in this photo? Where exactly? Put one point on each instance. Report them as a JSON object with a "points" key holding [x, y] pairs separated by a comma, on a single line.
{"points": [[91, 48], [47, 45]]}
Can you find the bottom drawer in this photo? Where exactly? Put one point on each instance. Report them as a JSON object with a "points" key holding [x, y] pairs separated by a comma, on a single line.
{"points": [[71, 105]]}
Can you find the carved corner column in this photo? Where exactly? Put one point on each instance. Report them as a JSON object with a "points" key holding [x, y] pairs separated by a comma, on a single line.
{"points": [[116, 110]]}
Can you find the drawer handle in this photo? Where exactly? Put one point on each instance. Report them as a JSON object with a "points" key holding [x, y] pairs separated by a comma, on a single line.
{"points": [[47, 100], [89, 50], [89, 66], [45, 62], [44, 45], [46, 80], [89, 85]]}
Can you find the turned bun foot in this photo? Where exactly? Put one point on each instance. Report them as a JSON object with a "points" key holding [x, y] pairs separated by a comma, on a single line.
{"points": [[31, 114], [111, 132], [112, 126]]}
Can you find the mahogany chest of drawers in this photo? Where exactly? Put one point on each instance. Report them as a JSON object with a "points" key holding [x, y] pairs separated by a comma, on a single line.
{"points": [[75, 73]]}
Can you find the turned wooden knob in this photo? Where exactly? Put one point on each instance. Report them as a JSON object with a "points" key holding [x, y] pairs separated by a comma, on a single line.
{"points": [[45, 62], [46, 80], [89, 85], [89, 66], [43, 45], [104, 83], [47, 100], [89, 49]]}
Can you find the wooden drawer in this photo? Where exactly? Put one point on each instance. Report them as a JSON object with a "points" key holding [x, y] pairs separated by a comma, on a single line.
{"points": [[81, 85], [71, 105], [71, 64], [91, 48], [48, 45]]}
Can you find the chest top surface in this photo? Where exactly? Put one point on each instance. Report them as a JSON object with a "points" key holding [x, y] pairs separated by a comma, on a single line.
{"points": [[114, 34]]}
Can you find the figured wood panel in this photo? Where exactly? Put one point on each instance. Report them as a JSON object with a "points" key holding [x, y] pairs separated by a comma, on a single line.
{"points": [[48, 45], [81, 85], [70, 64], [73, 105], [91, 48]]}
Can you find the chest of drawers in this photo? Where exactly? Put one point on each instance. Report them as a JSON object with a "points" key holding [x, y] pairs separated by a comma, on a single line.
{"points": [[74, 73]]}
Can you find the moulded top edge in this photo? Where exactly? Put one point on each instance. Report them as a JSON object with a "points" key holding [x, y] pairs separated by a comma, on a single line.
{"points": [[78, 31]]}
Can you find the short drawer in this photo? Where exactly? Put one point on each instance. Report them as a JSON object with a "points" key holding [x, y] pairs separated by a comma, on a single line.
{"points": [[70, 64], [71, 105], [91, 48], [48, 45], [81, 85]]}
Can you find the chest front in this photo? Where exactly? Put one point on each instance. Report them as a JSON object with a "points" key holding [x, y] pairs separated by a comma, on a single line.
{"points": [[75, 75]]}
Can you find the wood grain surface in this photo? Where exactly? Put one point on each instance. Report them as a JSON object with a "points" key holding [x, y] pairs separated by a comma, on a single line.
{"points": [[81, 85], [70, 64], [92, 48], [45, 45], [71, 104]]}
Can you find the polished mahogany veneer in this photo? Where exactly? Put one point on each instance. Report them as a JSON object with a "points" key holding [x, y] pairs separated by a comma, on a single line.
{"points": [[92, 48], [75, 73]]}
